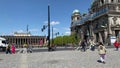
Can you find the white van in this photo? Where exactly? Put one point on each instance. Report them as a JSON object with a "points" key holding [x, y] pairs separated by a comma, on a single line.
{"points": [[3, 43]]}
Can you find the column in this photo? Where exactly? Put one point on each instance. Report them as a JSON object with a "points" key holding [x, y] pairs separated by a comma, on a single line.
{"points": [[113, 32], [25, 40], [119, 33], [109, 31], [82, 35], [20, 42], [109, 26], [45, 40], [17, 42], [105, 33], [100, 37], [30, 41], [12, 41]]}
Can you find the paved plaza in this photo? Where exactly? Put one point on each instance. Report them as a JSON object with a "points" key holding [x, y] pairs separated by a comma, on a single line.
{"points": [[60, 59]]}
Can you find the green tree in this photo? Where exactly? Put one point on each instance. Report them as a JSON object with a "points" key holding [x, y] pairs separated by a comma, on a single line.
{"points": [[63, 40], [75, 38]]}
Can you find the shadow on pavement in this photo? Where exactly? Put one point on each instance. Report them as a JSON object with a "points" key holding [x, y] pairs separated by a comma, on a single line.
{"points": [[46, 49], [99, 61]]}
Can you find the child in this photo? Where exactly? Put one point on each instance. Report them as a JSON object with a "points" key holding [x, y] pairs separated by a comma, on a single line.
{"points": [[102, 52]]}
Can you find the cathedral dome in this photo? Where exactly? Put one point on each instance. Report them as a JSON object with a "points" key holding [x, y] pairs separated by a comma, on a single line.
{"points": [[76, 11]]}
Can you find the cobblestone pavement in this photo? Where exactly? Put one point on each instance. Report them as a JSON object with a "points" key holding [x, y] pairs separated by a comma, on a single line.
{"points": [[60, 59]]}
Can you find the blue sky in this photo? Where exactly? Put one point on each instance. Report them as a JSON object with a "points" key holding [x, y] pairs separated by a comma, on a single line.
{"points": [[15, 15]]}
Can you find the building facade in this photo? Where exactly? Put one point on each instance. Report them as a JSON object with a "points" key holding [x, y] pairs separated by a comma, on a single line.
{"points": [[19, 39], [100, 23]]}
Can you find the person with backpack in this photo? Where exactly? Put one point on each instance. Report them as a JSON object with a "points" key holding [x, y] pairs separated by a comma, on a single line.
{"points": [[102, 52]]}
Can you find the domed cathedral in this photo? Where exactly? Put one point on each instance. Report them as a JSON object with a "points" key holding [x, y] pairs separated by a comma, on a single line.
{"points": [[75, 20], [100, 23]]}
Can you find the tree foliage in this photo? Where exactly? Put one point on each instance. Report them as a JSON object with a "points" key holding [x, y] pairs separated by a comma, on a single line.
{"points": [[63, 40]]}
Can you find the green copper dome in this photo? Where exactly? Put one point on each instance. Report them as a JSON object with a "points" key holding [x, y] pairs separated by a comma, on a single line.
{"points": [[76, 11]]}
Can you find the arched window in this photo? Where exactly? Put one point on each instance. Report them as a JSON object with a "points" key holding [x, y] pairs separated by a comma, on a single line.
{"points": [[72, 18], [112, 1], [72, 23], [102, 1], [75, 18], [78, 18]]}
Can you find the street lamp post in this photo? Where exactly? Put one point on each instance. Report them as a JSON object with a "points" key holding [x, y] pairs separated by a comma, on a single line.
{"points": [[49, 47], [45, 26], [52, 39]]}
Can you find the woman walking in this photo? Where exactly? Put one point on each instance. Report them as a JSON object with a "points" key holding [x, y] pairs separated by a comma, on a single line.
{"points": [[13, 49], [102, 52]]}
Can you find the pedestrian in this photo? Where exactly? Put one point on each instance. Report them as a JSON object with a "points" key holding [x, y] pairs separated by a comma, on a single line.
{"points": [[83, 45], [92, 45], [25, 47], [78, 48], [8, 49], [30, 49], [116, 44], [13, 49], [102, 52]]}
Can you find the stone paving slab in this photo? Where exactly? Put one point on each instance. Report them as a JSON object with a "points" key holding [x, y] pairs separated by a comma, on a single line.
{"points": [[60, 59]]}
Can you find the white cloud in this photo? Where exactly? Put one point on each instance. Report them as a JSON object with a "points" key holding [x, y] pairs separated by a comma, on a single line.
{"points": [[33, 30], [67, 33], [68, 29], [55, 29], [55, 23], [52, 23], [20, 31], [46, 22]]}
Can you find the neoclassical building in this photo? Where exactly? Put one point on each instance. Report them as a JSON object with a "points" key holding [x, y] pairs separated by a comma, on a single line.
{"points": [[100, 23], [19, 39]]}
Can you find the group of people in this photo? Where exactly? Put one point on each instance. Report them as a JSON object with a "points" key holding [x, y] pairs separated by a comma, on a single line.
{"points": [[87, 44], [91, 45], [25, 49], [10, 49], [101, 48]]}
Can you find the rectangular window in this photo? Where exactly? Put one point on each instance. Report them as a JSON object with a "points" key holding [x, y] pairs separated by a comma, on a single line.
{"points": [[118, 1]]}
